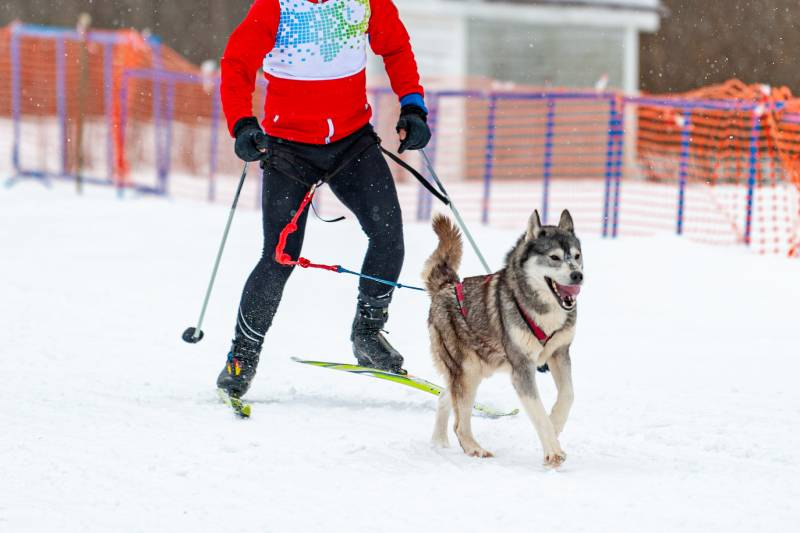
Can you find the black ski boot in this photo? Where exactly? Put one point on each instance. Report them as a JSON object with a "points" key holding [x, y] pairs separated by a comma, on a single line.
{"points": [[240, 369], [369, 345]]}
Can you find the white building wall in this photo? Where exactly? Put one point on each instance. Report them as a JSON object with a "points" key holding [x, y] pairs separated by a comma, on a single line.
{"points": [[546, 56], [440, 46]]}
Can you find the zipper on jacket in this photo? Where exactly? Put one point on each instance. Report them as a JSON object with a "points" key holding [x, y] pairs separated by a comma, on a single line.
{"points": [[330, 132]]}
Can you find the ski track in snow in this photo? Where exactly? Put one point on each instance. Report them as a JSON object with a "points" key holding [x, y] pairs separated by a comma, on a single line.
{"points": [[685, 366]]}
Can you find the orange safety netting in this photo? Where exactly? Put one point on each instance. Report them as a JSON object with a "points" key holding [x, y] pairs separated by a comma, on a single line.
{"points": [[739, 145], [720, 164], [79, 91]]}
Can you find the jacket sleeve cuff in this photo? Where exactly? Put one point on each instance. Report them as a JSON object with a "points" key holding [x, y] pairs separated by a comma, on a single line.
{"points": [[245, 122], [414, 99]]}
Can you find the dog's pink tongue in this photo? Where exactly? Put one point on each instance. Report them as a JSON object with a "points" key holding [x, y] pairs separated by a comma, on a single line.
{"points": [[569, 290]]}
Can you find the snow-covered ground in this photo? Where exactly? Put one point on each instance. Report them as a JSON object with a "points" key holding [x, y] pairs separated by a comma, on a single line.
{"points": [[686, 371]]}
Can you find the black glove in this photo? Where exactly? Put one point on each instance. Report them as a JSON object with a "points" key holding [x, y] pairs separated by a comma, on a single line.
{"points": [[414, 120], [250, 139]]}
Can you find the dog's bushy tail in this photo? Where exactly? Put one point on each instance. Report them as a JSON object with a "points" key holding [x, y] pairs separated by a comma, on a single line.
{"points": [[441, 268]]}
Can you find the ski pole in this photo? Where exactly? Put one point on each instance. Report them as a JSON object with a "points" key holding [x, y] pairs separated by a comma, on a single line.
{"points": [[456, 214], [195, 335]]}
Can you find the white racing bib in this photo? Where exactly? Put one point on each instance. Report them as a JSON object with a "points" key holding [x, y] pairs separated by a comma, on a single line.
{"points": [[319, 41]]}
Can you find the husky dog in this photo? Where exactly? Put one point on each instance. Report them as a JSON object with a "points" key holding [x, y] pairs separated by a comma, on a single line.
{"points": [[518, 319]]}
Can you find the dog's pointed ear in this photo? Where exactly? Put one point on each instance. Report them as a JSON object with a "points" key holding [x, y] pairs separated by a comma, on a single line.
{"points": [[534, 226], [566, 222]]}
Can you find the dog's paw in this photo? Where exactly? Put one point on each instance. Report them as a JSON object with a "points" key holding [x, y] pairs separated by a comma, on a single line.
{"points": [[478, 452], [555, 459]]}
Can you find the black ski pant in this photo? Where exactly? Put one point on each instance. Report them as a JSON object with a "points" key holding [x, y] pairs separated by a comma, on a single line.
{"points": [[361, 180]]}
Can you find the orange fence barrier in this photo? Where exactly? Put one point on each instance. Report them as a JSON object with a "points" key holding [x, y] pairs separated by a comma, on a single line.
{"points": [[739, 144], [59, 88]]}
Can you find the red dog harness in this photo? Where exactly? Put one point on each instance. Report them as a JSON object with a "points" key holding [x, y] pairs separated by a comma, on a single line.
{"points": [[460, 298], [538, 332], [535, 329]]}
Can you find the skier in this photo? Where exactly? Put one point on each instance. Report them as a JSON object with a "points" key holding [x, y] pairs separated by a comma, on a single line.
{"points": [[313, 53]]}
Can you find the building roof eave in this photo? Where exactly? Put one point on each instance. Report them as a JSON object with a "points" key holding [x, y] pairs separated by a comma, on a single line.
{"points": [[647, 7], [553, 13]]}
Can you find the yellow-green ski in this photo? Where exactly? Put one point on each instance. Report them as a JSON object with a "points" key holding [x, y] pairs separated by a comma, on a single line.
{"points": [[239, 407], [407, 380]]}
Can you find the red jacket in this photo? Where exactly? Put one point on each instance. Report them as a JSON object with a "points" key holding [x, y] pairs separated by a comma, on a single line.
{"points": [[313, 53]]}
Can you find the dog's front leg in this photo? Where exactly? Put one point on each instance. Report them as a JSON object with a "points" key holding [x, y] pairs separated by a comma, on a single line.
{"points": [[561, 370], [524, 380]]}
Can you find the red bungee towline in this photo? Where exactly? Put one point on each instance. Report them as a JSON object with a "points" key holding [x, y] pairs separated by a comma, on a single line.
{"points": [[285, 259]]}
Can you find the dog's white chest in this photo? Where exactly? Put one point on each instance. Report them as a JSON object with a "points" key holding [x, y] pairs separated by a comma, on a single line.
{"points": [[526, 342], [538, 351]]}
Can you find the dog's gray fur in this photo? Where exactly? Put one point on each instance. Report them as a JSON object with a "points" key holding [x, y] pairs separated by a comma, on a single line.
{"points": [[495, 336]]}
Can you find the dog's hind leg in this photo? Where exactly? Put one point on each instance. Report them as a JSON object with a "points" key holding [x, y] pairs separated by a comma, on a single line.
{"points": [[463, 396], [443, 409], [444, 361], [523, 378], [561, 370]]}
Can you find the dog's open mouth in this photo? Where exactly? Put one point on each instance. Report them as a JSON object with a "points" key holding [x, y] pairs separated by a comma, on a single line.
{"points": [[567, 295]]}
